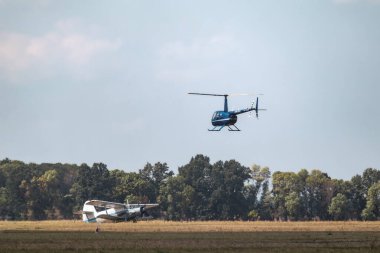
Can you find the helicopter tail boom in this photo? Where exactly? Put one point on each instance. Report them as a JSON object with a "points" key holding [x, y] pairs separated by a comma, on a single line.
{"points": [[253, 108]]}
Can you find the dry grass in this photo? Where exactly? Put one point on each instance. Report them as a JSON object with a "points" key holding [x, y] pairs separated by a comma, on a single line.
{"points": [[200, 237], [197, 226]]}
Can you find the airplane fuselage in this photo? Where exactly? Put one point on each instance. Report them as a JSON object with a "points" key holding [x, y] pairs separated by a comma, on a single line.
{"points": [[123, 212]]}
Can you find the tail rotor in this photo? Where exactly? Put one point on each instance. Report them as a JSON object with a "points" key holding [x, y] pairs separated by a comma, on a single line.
{"points": [[256, 108]]}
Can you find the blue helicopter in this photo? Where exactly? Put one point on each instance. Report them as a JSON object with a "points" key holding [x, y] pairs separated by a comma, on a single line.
{"points": [[225, 118]]}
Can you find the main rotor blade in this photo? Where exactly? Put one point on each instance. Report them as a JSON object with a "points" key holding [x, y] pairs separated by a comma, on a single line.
{"points": [[206, 94], [226, 95], [246, 94]]}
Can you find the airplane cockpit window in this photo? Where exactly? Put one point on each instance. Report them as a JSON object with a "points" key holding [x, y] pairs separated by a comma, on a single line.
{"points": [[99, 208]]}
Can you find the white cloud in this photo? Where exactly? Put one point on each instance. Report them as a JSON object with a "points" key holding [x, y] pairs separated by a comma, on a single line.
{"points": [[212, 47], [26, 2], [62, 46], [179, 60]]}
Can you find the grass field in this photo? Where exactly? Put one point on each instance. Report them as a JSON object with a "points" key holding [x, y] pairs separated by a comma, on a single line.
{"points": [[159, 236]]}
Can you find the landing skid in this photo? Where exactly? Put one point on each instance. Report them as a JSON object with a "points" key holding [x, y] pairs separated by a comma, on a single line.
{"points": [[215, 128], [218, 128], [235, 128]]}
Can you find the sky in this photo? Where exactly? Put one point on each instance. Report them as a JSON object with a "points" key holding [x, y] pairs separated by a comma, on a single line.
{"points": [[107, 81]]}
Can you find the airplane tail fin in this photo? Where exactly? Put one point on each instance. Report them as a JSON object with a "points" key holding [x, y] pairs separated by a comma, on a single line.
{"points": [[89, 213], [87, 216]]}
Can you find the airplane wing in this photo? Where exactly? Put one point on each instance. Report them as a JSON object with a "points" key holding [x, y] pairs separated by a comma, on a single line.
{"points": [[148, 206], [106, 204], [83, 212], [115, 205]]}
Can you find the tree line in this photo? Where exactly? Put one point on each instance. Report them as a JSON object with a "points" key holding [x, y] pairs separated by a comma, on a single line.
{"points": [[199, 191]]}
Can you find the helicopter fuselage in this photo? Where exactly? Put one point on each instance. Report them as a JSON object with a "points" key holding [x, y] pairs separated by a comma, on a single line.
{"points": [[225, 118], [222, 118]]}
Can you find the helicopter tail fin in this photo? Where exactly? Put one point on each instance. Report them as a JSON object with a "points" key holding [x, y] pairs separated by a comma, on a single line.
{"points": [[256, 109]]}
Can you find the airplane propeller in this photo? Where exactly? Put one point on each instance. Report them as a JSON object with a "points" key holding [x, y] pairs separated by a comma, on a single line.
{"points": [[143, 212]]}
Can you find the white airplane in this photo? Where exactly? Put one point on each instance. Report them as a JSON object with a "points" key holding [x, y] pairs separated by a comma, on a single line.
{"points": [[101, 211]]}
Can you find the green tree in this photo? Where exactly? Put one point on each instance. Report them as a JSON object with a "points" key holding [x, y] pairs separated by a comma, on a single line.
{"points": [[15, 173], [284, 184], [227, 200], [131, 187], [304, 212], [171, 199], [293, 205], [37, 202], [122, 185], [372, 210], [155, 175], [257, 190], [266, 205], [357, 196], [339, 207], [92, 183], [347, 188], [5, 161], [235, 177], [320, 191], [253, 215], [225, 190], [3, 203], [188, 195], [370, 177], [197, 174]]}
